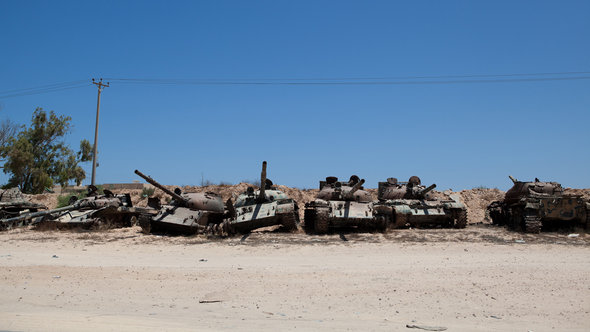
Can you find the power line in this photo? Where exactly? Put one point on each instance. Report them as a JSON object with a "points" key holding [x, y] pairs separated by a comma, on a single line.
{"points": [[336, 81], [34, 91], [180, 80], [343, 82], [45, 86]]}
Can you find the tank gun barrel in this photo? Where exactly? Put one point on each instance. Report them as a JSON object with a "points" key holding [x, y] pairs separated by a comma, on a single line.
{"points": [[31, 215], [354, 189], [512, 178], [161, 187], [262, 194], [427, 189]]}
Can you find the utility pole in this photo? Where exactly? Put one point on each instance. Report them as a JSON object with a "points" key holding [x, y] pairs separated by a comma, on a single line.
{"points": [[101, 86]]}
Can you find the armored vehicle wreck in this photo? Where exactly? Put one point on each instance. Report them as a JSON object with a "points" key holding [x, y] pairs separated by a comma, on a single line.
{"points": [[531, 205], [187, 213], [413, 205], [106, 210], [344, 205], [12, 204], [265, 207]]}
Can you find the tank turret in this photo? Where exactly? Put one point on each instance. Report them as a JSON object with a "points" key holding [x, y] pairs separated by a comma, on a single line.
{"points": [[347, 195]]}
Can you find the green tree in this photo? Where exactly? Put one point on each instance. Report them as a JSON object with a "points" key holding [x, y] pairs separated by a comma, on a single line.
{"points": [[37, 157]]}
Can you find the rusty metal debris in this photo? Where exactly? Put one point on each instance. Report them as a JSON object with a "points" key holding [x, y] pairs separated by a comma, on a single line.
{"points": [[108, 210], [13, 204], [530, 206]]}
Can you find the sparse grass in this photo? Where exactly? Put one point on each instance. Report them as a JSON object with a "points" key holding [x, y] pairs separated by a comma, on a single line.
{"points": [[64, 200], [147, 192], [481, 187]]}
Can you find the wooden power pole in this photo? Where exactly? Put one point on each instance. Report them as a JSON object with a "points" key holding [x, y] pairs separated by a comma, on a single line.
{"points": [[101, 86]]}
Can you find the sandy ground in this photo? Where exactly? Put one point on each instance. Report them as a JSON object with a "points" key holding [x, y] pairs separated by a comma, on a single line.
{"points": [[482, 278]]}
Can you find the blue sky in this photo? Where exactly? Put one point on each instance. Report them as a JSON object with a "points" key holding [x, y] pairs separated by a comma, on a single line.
{"points": [[459, 135]]}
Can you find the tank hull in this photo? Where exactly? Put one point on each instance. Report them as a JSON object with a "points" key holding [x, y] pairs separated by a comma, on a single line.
{"points": [[179, 220], [321, 216], [532, 214], [250, 217], [427, 213]]}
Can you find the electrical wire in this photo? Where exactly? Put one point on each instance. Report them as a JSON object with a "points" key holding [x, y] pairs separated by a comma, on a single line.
{"points": [[352, 78], [34, 91], [231, 82], [386, 80]]}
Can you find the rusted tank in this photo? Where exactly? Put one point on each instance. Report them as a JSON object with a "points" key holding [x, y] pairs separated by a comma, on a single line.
{"points": [[187, 213], [344, 205], [12, 204], [104, 210], [530, 206], [413, 205], [265, 207]]}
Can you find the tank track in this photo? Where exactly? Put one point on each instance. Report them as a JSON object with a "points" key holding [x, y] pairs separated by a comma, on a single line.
{"points": [[401, 220], [532, 224], [322, 223], [460, 217], [587, 219], [289, 222]]}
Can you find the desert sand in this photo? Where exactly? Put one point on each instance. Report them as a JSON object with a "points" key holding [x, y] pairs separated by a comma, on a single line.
{"points": [[482, 278]]}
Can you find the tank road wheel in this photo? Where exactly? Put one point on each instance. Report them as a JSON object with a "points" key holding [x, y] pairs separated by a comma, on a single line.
{"points": [[460, 217], [289, 222], [532, 222], [321, 223], [145, 223], [401, 220]]}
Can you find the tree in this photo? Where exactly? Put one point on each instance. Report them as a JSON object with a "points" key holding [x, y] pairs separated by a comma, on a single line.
{"points": [[8, 130], [37, 157]]}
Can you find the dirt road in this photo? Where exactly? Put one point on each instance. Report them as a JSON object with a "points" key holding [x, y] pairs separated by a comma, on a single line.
{"points": [[478, 279]]}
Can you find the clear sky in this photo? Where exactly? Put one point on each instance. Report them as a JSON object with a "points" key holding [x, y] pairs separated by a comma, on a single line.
{"points": [[458, 135]]}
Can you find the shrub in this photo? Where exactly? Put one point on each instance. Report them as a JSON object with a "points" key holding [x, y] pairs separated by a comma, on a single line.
{"points": [[147, 191]]}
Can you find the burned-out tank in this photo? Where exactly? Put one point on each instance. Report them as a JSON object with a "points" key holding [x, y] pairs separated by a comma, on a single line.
{"points": [[531, 205], [187, 213], [344, 205], [102, 210], [265, 207], [13, 203], [413, 205]]}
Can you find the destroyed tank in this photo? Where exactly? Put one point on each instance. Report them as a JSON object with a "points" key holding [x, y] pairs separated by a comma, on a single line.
{"points": [[531, 205], [413, 205], [13, 203], [106, 210], [344, 205], [187, 213], [265, 207]]}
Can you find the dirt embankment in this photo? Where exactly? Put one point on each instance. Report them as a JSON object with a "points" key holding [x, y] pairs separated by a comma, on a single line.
{"points": [[476, 200]]}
